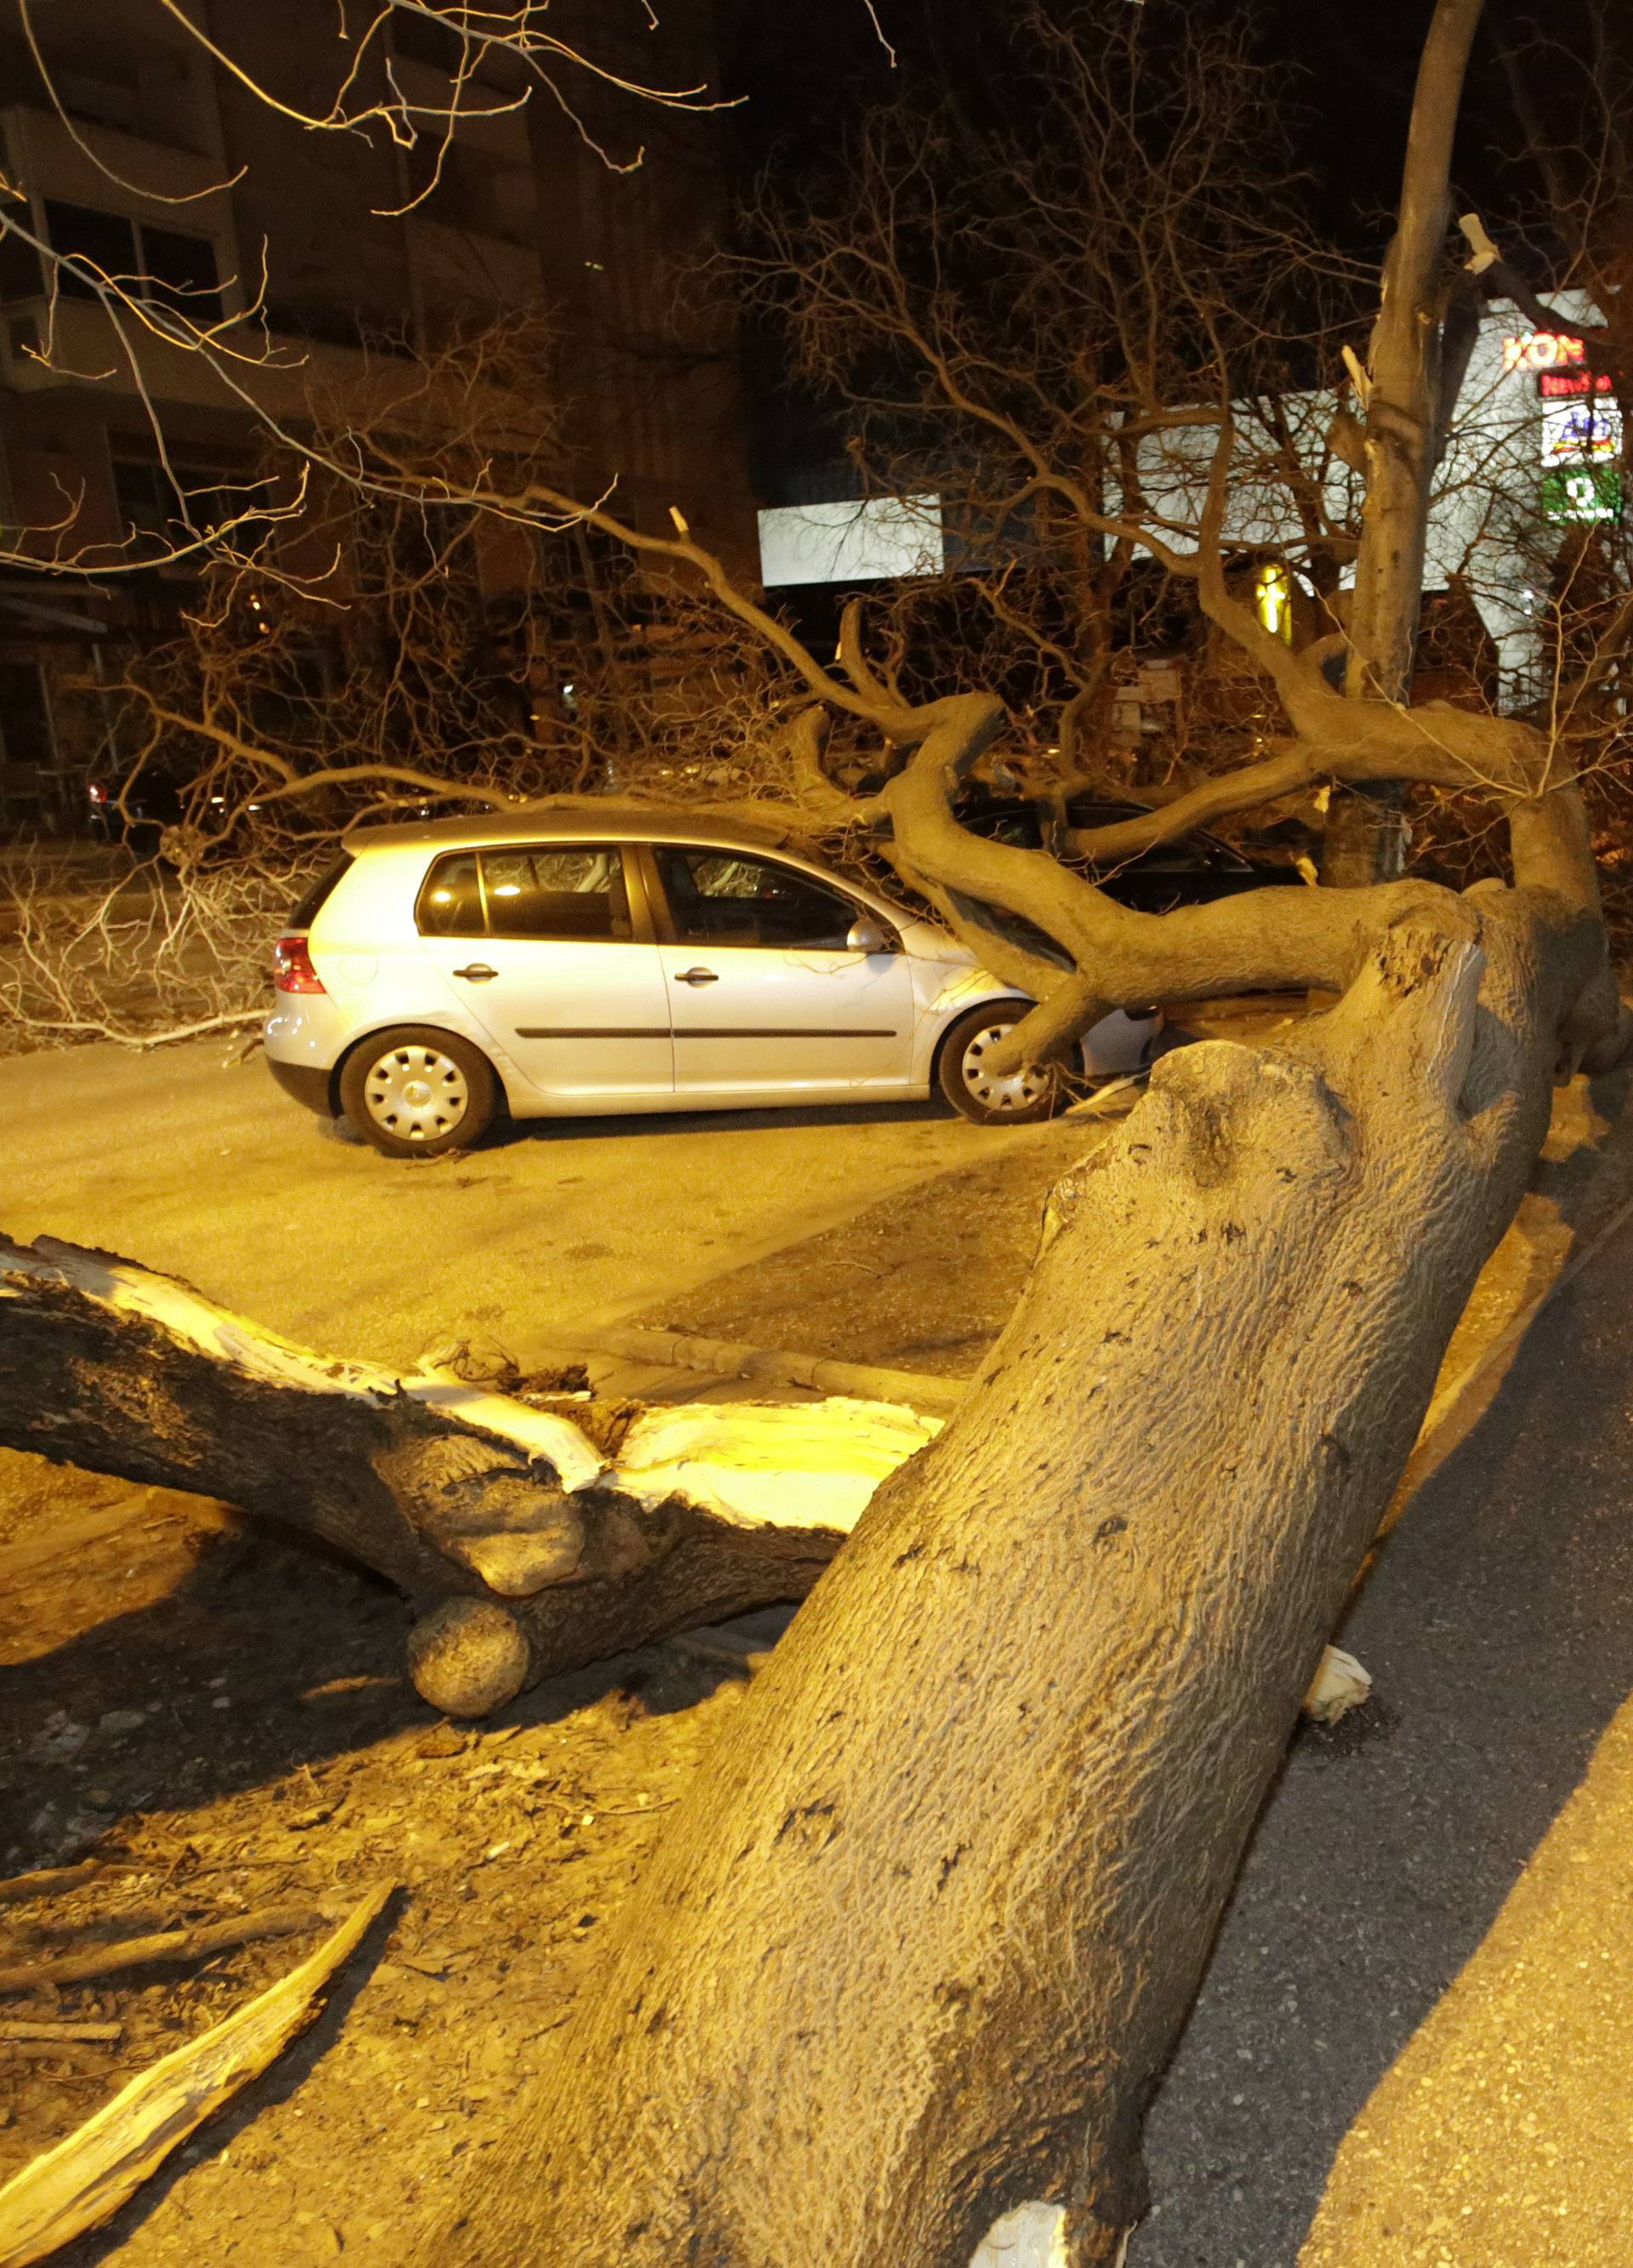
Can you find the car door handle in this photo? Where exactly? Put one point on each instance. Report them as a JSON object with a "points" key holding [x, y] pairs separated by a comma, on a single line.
{"points": [[478, 971], [698, 976]]}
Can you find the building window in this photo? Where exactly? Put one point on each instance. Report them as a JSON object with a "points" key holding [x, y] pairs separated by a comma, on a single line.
{"points": [[151, 508], [1272, 599], [26, 736], [167, 265]]}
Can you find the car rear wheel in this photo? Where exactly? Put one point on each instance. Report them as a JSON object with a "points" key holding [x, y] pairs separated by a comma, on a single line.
{"points": [[415, 1092], [1012, 1099]]}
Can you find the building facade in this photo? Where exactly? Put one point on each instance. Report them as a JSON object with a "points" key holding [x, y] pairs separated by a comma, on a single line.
{"points": [[142, 152]]}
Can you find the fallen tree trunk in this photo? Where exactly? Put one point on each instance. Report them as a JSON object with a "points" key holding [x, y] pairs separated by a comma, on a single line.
{"points": [[914, 1953], [531, 1540]]}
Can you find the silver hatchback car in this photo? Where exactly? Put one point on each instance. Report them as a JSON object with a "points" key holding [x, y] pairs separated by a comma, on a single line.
{"points": [[554, 965]]}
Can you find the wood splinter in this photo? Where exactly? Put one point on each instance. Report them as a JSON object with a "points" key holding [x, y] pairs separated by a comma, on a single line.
{"points": [[86, 2179]]}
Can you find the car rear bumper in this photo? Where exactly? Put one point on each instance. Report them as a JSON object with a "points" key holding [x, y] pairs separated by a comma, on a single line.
{"points": [[306, 1082]]}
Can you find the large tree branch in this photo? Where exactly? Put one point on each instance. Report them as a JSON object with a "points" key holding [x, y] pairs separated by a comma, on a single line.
{"points": [[529, 1541]]}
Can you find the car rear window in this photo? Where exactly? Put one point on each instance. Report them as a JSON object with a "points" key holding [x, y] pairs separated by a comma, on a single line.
{"points": [[306, 908]]}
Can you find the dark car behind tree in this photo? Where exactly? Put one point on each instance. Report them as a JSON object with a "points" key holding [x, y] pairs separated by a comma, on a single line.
{"points": [[1194, 869]]}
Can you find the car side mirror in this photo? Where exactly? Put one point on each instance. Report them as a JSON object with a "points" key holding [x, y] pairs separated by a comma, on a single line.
{"points": [[866, 935]]}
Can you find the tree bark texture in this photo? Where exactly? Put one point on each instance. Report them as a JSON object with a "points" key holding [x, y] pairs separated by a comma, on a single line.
{"points": [[916, 1951], [1405, 433], [1405, 436], [529, 1546]]}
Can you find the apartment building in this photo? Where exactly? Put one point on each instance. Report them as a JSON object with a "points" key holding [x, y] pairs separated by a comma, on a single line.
{"points": [[149, 155]]}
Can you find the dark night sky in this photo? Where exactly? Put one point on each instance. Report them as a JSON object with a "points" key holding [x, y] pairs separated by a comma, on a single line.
{"points": [[807, 65]]}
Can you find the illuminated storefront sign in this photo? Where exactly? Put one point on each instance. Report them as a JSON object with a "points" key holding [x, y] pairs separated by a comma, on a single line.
{"points": [[1273, 600], [1556, 385], [1587, 431], [1542, 350], [1582, 495], [1581, 427]]}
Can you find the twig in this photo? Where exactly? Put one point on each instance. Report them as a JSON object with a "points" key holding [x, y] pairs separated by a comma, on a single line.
{"points": [[59, 2032], [167, 1945], [49, 1882]]}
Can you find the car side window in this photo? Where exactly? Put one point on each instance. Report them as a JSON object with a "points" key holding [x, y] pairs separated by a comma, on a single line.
{"points": [[570, 891], [450, 903], [722, 898]]}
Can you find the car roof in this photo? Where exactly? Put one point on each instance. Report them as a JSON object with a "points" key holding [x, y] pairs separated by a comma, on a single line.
{"points": [[605, 821]]}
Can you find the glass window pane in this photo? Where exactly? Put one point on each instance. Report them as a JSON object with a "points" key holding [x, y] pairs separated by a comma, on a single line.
{"points": [[25, 719], [572, 892], [181, 271], [106, 240], [450, 904], [717, 897]]}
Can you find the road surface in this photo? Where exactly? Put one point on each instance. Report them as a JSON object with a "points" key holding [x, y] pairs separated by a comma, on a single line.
{"points": [[198, 1166], [1463, 1818]]}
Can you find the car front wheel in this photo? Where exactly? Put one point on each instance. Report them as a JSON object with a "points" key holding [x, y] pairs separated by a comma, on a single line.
{"points": [[415, 1092], [1009, 1099]]}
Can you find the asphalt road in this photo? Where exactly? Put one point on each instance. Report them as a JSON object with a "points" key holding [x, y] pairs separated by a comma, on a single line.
{"points": [[1498, 1626], [200, 1167]]}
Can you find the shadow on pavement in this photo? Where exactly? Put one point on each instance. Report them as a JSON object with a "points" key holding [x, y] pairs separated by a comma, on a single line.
{"points": [[1498, 1626], [262, 1654]]}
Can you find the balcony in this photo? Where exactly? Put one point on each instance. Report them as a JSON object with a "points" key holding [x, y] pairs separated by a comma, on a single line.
{"points": [[88, 353], [46, 159], [469, 269]]}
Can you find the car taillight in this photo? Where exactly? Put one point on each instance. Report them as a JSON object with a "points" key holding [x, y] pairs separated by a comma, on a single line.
{"points": [[291, 967]]}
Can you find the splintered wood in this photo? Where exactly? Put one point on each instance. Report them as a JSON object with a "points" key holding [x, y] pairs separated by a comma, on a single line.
{"points": [[85, 2179]]}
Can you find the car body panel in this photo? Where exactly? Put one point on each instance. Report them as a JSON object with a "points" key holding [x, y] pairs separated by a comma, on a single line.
{"points": [[811, 1017], [819, 1025], [579, 1021]]}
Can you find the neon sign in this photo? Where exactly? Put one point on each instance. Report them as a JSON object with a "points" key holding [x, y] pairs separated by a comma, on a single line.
{"points": [[1581, 432], [1542, 350], [1583, 495], [1571, 384]]}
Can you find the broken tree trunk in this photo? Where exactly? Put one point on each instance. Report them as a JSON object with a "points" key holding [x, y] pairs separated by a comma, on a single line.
{"points": [[570, 1537], [914, 1954], [530, 1543], [85, 2179]]}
